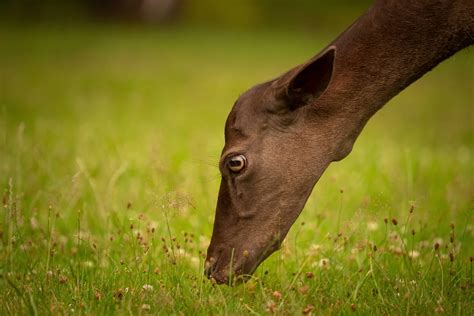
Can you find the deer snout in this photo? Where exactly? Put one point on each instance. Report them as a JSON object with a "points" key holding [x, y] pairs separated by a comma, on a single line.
{"points": [[227, 264]]}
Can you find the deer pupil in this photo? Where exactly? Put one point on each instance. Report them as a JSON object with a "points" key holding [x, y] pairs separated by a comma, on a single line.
{"points": [[235, 163]]}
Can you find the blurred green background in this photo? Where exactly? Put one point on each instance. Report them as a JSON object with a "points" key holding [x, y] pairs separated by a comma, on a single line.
{"points": [[112, 113], [245, 14]]}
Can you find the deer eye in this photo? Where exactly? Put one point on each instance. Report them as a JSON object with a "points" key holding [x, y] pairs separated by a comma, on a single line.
{"points": [[236, 163]]}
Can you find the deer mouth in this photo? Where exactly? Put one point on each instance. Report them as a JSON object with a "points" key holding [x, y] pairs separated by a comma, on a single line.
{"points": [[244, 265]]}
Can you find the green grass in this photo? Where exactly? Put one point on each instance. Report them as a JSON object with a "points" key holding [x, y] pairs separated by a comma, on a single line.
{"points": [[109, 142]]}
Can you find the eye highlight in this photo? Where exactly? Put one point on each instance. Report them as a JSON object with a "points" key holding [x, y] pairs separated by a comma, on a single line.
{"points": [[236, 163]]}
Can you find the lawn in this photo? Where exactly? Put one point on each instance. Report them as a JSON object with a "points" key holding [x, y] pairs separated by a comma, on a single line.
{"points": [[109, 142]]}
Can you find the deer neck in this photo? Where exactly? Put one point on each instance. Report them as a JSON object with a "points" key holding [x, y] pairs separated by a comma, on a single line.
{"points": [[389, 47]]}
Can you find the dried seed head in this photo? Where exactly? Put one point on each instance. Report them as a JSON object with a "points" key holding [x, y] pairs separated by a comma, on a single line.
{"points": [[353, 307], [304, 289], [412, 208], [245, 253], [439, 309], [97, 295], [62, 279], [309, 275], [436, 246], [394, 221], [308, 309], [385, 220], [413, 232]]}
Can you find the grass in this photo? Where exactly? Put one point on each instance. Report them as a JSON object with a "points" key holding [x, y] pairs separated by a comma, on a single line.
{"points": [[109, 142]]}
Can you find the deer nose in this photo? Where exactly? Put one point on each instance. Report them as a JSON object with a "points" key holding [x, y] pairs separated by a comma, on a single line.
{"points": [[210, 271]]}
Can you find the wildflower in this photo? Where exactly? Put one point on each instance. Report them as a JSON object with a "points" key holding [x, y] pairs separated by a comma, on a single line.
{"points": [[34, 223], [118, 295], [276, 295], [146, 307], [88, 264], [372, 226], [324, 263], [148, 287], [413, 254], [63, 279], [271, 307], [395, 250], [97, 295], [304, 289], [314, 249], [438, 241]]}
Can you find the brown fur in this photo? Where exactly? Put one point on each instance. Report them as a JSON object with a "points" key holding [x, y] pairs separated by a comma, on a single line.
{"points": [[291, 128]]}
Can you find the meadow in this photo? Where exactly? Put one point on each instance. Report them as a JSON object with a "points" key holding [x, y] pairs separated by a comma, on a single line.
{"points": [[109, 143]]}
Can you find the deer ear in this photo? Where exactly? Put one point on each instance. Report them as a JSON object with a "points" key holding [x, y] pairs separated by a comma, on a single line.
{"points": [[308, 81]]}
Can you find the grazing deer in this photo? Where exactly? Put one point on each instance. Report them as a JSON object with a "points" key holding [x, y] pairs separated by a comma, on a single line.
{"points": [[281, 135]]}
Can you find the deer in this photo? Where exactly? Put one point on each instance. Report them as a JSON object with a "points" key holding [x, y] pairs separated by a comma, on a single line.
{"points": [[282, 134]]}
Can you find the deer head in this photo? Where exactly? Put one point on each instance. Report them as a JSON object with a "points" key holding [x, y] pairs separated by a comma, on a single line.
{"points": [[281, 135], [279, 138]]}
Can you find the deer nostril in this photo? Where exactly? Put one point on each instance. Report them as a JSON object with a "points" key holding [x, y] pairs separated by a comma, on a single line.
{"points": [[207, 272]]}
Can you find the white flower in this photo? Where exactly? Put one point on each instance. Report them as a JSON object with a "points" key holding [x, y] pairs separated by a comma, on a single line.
{"points": [[314, 249], [324, 263], [148, 287], [438, 241], [88, 264], [372, 226], [413, 254]]}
